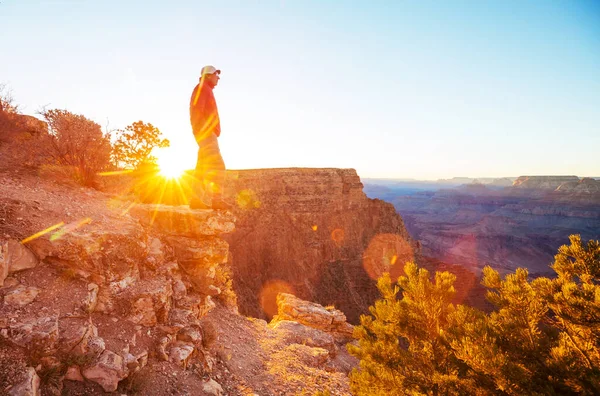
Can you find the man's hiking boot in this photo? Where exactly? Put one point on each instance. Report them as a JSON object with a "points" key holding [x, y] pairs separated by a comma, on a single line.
{"points": [[219, 204], [196, 203]]}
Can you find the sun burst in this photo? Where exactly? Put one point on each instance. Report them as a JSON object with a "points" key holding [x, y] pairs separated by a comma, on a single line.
{"points": [[170, 164]]}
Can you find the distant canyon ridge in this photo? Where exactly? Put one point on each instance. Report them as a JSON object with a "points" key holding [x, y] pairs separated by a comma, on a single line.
{"points": [[505, 223]]}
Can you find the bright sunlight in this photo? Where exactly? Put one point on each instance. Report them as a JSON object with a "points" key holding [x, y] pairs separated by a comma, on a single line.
{"points": [[170, 163]]}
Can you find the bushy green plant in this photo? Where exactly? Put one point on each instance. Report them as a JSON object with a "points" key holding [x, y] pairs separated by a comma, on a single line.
{"points": [[134, 145], [542, 339]]}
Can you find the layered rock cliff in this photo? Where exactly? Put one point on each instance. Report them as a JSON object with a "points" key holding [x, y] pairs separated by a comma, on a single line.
{"points": [[521, 226], [100, 295], [543, 182], [313, 233]]}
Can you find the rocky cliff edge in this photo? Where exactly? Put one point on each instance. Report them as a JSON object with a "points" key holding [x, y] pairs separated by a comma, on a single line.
{"points": [[103, 295]]}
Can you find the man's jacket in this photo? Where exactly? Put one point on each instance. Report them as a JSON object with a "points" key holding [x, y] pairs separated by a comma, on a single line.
{"points": [[204, 115]]}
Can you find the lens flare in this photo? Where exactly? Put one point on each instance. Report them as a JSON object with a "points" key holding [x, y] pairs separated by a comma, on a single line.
{"points": [[170, 164], [268, 295], [387, 253]]}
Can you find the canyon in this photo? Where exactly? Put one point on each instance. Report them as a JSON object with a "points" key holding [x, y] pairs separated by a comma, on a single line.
{"points": [[523, 225], [313, 233]]}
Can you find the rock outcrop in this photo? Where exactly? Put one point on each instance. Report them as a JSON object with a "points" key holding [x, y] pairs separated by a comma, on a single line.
{"points": [[327, 319], [312, 233], [543, 182], [587, 185], [133, 286]]}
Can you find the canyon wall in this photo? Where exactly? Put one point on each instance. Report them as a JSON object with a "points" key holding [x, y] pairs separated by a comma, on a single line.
{"points": [[312, 233], [519, 226]]}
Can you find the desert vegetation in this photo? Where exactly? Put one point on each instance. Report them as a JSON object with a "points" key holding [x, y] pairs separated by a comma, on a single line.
{"points": [[71, 146], [542, 338]]}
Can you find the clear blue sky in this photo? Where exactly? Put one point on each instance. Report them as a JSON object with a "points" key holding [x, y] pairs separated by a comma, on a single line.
{"points": [[391, 88]]}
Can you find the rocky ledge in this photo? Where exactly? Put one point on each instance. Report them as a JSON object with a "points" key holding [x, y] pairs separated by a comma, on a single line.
{"points": [[124, 292]]}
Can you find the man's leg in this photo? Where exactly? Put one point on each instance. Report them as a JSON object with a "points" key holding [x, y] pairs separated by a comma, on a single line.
{"points": [[214, 172], [198, 199]]}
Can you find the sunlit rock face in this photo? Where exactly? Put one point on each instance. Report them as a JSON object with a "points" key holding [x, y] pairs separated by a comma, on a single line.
{"points": [[312, 233], [544, 182], [520, 226]]}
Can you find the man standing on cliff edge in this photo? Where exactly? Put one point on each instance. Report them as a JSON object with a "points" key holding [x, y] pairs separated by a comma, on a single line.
{"points": [[209, 176]]}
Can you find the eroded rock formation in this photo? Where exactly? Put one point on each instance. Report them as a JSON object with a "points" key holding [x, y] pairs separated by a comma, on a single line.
{"points": [[153, 279], [520, 226], [312, 233]]}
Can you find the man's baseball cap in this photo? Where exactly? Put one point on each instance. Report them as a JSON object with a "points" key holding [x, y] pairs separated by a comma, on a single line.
{"points": [[209, 70]]}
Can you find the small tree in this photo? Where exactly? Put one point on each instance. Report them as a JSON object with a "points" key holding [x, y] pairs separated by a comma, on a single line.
{"points": [[542, 339], [74, 140], [402, 347], [8, 111], [134, 145], [7, 102]]}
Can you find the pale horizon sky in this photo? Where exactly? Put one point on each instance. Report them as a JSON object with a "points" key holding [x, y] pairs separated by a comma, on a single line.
{"points": [[393, 89]]}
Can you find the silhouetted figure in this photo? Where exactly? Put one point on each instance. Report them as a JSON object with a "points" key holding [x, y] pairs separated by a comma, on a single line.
{"points": [[209, 176]]}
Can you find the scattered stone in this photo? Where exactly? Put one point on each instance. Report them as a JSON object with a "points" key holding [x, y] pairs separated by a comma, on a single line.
{"points": [[19, 257], [89, 304], [191, 334], [161, 348], [21, 296], [74, 374], [37, 333], [80, 338], [30, 386], [291, 332], [151, 301], [310, 356], [212, 387], [179, 289], [180, 353], [107, 371], [182, 317]]}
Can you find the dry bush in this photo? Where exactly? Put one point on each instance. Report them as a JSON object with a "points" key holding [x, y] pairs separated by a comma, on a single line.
{"points": [[75, 141]]}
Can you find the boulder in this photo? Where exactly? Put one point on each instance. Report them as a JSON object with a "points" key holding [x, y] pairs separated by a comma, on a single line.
{"points": [[79, 337], [19, 257], [29, 386], [107, 371], [150, 301], [331, 320], [35, 333], [181, 221], [90, 302], [212, 387], [191, 334], [93, 252], [180, 353], [21, 296], [183, 317]]}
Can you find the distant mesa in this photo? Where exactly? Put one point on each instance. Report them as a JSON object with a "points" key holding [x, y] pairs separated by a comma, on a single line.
{"points": [[559, 183], [585, 185]]}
